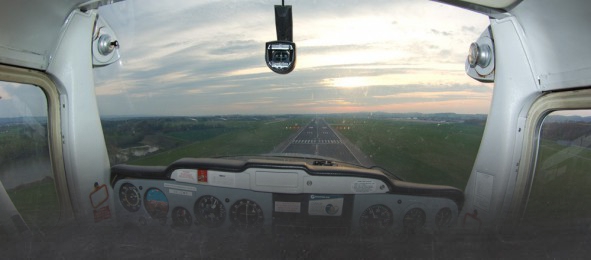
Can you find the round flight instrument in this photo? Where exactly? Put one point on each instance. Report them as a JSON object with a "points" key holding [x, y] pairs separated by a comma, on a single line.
{"points": [[156, 203], [181, 217], [129, 196], [413, 220], [210, 211], [246, 214], [443, 217], [376, 219]]}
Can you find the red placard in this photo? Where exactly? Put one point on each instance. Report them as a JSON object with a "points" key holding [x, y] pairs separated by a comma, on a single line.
{"points": [[102, 214], [202, 175], [99, 195]]}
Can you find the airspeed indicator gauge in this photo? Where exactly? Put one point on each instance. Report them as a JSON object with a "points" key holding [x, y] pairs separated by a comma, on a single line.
{"points": [[129, 196]]}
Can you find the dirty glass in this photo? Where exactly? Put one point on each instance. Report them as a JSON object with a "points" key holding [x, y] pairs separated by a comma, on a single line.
{"points": [[25, 167], [373, 86], [560, 191]]}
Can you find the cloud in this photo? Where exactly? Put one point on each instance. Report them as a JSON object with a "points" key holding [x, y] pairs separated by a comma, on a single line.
{"points": [[4, 92], [21, 100], [206, 57], [447, 95], [472, 29]]}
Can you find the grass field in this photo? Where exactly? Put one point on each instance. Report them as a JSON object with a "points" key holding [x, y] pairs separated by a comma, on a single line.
{"points": [[560, 191], [416, 151], [197, 135], [37, 203], [238, 138], [426, 152]]}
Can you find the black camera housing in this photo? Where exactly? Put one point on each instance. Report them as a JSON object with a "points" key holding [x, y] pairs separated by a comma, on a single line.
{"points": [[280, 55]]}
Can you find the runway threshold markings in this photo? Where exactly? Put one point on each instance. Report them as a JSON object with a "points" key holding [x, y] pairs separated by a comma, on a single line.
{"points": [[318, 138]]}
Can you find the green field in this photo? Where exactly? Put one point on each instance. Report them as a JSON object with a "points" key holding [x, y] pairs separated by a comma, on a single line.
{"points": [[417, 151], [197, 135], [420, 151], [37, 203], [236, 138], [560, 191], [21, 141]]}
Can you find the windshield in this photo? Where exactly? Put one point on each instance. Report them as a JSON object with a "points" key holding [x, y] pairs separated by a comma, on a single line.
{"points": [[377, 83]]}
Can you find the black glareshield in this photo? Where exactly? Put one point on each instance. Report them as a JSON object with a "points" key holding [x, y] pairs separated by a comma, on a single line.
{"points": [[280, 55]]}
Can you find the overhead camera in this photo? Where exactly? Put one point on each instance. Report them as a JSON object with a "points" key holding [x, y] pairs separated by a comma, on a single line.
{"points": [[280, 55]]}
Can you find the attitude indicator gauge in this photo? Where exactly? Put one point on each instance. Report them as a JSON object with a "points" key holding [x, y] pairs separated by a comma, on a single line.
{"points": [[129, 196], [246, 214], [210, 211], [156, 203]]}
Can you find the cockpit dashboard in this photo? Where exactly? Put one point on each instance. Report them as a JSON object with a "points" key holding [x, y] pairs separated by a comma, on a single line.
{"points": [[268, 197]]}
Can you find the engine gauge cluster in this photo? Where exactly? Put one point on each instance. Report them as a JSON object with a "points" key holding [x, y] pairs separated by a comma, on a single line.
{"points": [[414, 220], [443, 217], [210, 211], [376, 219]]}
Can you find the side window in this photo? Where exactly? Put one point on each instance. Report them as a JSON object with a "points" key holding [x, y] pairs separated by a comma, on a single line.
{"points": [[25, 166], [560, 192]]}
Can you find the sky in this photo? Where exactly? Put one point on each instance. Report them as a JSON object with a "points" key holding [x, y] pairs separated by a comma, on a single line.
{"points": [[207, 58]]}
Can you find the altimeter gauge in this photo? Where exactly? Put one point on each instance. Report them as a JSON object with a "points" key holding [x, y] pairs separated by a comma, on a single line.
{"points": [[129, 196], [376, 219], [210, 211], [246, 214]]}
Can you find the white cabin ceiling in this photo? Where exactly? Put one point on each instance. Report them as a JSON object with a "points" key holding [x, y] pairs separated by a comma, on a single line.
{"points": [[30, 30]]}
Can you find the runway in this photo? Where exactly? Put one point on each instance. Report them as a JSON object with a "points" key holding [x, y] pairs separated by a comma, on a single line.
{"points": [[318, 138]]}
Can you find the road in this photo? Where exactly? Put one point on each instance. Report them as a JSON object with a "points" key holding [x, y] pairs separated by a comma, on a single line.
{"points": [[318, 138]]}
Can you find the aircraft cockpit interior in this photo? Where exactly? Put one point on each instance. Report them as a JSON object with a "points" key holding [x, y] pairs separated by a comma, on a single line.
{"points": [[184, 129]]}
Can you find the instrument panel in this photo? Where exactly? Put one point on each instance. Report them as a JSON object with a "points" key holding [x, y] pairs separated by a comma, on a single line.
{"points": [[195, 207]]}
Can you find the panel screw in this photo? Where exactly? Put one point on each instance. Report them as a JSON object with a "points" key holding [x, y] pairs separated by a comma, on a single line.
{"points": [[309, 183]]}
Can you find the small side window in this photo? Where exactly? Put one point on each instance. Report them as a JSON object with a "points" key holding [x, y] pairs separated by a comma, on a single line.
{"points": [[560, 192], [25, 166]]}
